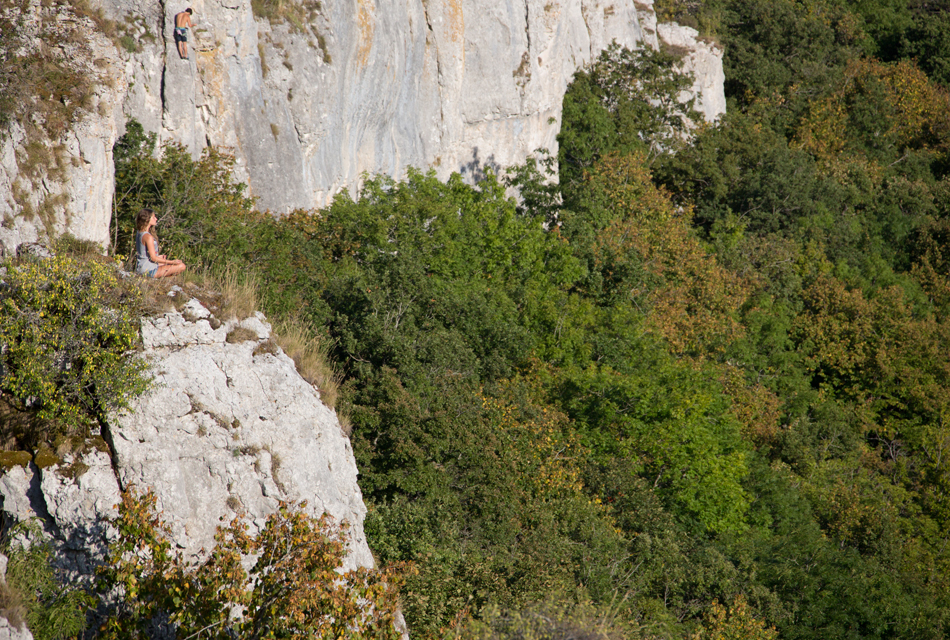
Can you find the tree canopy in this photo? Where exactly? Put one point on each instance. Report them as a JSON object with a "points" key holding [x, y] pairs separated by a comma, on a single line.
{"points": [[696, 387]]}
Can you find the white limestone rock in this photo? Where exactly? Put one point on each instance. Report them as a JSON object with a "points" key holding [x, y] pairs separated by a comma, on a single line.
{"points": [[11, 632], [703, 60], [36, 201], [233, 427], [8, 630], [225, 427], [455, 85], [365, 87]]}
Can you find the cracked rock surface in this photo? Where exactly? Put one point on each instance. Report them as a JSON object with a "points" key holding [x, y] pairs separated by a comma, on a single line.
{"points": [[225, 427], [354, 86]]}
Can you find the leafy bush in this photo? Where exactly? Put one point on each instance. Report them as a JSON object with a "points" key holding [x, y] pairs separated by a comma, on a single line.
{"points": [[622, 102], [53, 612], [734, 623], [67, 328], [190, 197], [295, 588]]}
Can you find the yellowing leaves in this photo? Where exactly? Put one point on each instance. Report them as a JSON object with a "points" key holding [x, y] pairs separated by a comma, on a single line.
{"points": [[736, 622], [67, 326], [296, 586], [877, 104], [693, 300]]}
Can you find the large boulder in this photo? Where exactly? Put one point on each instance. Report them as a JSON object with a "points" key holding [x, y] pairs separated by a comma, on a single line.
{"points": [[226, 427]]}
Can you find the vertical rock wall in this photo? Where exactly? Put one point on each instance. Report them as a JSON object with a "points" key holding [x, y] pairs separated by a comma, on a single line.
{"points": [[309, 103], [363, 86], [458, 85], [49, 185]]}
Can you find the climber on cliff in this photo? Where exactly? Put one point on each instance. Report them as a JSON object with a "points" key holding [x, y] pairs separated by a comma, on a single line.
{"points": [[182, 24], [148, 261]]}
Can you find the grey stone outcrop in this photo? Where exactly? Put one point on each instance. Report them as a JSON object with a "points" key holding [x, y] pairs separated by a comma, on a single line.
{"points": [[67, 183], [702, 59], [12, 632], [226, 427], [453, 85]]}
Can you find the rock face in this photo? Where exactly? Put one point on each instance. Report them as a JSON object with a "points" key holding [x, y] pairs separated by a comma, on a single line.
{"points": [[459, 85], [456, 85], [226, 426], [703, 61], [309, 99], [52, 182]]}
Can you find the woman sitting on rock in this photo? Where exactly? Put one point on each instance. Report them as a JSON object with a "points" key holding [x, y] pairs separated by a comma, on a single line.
{"points": [[149, 261]]}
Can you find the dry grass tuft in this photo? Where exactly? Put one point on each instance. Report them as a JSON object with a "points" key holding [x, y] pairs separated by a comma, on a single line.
{"points": [[268, 346], [239, 294], [12, 606], [311, 355], [232, 295], [70, 245], [240, 334], [345, 425], [155, 299]]}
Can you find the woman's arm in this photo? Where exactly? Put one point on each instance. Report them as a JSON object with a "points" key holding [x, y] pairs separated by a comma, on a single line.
{"points": [[149, 241]]}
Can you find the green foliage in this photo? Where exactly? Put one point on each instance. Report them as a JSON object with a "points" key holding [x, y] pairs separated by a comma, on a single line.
{"points": [[624, 101], [296, 586], [928, 40], [53, 611], [742, 169], [699, 369], [781, 54], [548, 621], [68, 327], [196, 201], [434, 277], [734, 623], [485, 499], [677, 423]]}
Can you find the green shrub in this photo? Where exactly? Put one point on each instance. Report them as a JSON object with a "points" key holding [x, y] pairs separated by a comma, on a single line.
{"points": [[52, 610], [295, 588], [67, 328], [547, 621]]}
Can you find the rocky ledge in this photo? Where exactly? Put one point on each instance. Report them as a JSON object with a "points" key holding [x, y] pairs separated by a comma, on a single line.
{"points": [[228, 425]]}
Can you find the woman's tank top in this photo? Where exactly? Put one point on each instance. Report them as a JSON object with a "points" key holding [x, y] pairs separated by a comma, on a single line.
{"points": [[142, 264]]}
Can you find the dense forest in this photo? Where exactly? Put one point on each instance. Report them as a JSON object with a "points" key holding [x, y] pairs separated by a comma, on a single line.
{"points": [[696, 385]]}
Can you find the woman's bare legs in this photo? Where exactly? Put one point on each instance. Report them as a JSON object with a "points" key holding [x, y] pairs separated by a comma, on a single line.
{"points": [[170, 270]]}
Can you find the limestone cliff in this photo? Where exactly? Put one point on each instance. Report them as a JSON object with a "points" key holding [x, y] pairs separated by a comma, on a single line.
{"points": [[310, 99], [226, 426]]}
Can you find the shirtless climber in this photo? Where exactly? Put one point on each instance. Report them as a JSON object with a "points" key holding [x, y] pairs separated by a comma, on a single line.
{"points": [[182, 24]]}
